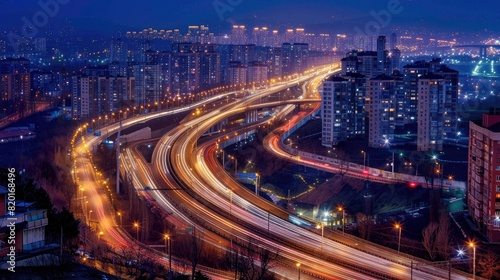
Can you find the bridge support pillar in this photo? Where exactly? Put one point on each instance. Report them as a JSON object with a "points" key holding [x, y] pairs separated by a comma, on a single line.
{"points": [[251, 116]]}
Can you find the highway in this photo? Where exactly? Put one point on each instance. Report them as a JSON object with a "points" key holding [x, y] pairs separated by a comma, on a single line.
{"points": [[222, 207], [94, 198], [175, 153]]}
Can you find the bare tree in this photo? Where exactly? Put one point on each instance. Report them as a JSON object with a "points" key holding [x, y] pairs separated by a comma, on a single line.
{"points": [[429, 236], [489, 266], [343, 159], [443, 236], [197, 245], [365, 225]]}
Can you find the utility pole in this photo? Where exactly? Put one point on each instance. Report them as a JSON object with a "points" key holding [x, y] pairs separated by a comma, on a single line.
{"points": [[118, 159]]}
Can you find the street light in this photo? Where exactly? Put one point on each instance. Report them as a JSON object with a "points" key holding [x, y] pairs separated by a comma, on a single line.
{"points": [[471, 244], [166, 237], [322, 233], [120, 215], [90, 215], [398, 226], [298, 268], [100, 235], [364, 158], [343, 219], [136, 225]]}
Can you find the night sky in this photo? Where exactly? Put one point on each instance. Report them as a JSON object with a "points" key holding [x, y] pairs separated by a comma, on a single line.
{"points": [[111, 16]]}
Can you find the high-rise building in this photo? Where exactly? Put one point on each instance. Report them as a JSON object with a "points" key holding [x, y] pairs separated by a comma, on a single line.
{"points": [[15, 81], [238, 35], [412, 72], [286, 59], [394, 41], [257, 72], [483, 185], [381, 55], [364, 63], [165, 61], [300, 53], [294, 58], [148, 83], [46, 84], [381, 110], [117, 51], [431, 100], [450, 111], [116, 92], [85, 97], [209, 69], [41, 45], [300, 35], [342, 103], [94, 95], [117, 70], [395, 58], [243, 53], [275, 39], [276, 63], [185, 69], [237, 74]]}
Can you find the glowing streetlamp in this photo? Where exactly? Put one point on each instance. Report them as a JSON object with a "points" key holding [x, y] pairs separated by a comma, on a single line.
{"points": [[120, 215], [471, 244], [343, 219], [136, 225], [398, 226]]}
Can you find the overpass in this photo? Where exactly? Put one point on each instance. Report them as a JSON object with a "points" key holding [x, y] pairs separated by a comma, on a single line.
{"points": [[483, 49]]}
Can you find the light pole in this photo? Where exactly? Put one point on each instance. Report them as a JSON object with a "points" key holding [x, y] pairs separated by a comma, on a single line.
{"points": [[257, 183], [364, 158], [235, 164], [100, 235], [166, 237], [120, 215], [169, 258], [298, 268], [398, 226], [136, 225], [471, 244], [322, 234], [343, 219], [90, 215]]}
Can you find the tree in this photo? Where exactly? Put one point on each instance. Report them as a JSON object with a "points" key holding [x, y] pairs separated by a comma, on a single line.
{"points": [[488, 266], [196, 249], [429, 235], [343, 159], [365, 225], [443, 236]]}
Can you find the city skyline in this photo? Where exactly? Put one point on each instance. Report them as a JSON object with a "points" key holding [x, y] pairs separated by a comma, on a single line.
{"points": [[265, 139], [114, 17]]}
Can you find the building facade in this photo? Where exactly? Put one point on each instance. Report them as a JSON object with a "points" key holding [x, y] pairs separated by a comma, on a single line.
{"points": [[483, 185], [342, 106], [381, 110], [431, 112]]}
